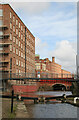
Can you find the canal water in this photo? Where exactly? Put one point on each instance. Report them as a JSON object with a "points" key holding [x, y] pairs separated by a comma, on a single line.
{"points": [[52, 109]]}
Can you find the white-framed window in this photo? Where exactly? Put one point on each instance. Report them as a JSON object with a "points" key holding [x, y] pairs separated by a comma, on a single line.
{"points": [[1, 22], [10, 15], [16, 41], [21, 36], [13, 28], [10, 36], [10, 47], [19, 63], [10, 25], [19, 43], [17, 51], [16, 61], [24, 56], [13, 49], [19, 33], [21, 54], [19, 24], [1, 32], [13, 18], [16, 22], [13, 39], [21, 27]]}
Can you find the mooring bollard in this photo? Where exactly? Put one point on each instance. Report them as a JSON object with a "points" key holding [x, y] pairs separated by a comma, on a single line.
{"points": [[12, 101], [75, 99]]}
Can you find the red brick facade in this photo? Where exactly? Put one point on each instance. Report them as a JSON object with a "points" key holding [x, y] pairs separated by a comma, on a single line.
{"points": [[17, 43], [50, 68]]}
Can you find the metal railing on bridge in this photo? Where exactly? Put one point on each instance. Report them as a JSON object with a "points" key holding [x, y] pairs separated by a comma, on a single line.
{"points": [[7, 76]]}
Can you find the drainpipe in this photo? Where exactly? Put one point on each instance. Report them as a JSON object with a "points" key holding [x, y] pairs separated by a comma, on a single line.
{"points": [[25, 51]]}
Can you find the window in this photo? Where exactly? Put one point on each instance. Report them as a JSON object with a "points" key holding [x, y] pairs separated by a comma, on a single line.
{"points": [[10, 36], [19, 63], [16, 22], [19, 34], [19, 43], [13, 39], [13, 28], [16, 41], [17, 51], [10, 15], [1, 22], [10, 25], [23, 38], [19, 25], [17, 31], [13, 18], [21, 54], [13, 49], [1, 32], [1, 12], [1, 48], [16, 61], [16, 70], [10, 47]]}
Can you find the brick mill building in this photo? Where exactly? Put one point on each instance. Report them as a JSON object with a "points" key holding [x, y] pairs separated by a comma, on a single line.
{"points": [[51, 68], [17, 43]]}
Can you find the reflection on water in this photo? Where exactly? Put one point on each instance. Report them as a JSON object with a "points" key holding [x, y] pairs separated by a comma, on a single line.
{"points": [[52, 110]]}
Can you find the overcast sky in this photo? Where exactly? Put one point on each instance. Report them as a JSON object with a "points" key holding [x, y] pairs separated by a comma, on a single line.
{"points": [[54, 25]]}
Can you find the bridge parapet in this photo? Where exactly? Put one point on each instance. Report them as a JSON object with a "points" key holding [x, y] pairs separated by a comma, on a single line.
{"points": [[34, 75]]}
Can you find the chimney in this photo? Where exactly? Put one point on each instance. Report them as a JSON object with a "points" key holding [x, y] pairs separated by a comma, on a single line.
{"points": [[53, 59]]}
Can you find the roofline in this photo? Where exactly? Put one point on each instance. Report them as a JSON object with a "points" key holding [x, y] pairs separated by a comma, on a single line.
{"points": [[18, 17]]}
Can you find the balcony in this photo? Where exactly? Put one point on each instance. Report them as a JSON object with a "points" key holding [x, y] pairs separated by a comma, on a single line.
{"points": [[5, 44], [3, 27], [4, 36], [4, 69], [4, 61], [4, 52]]}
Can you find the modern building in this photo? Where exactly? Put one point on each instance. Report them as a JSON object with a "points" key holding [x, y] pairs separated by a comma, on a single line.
{"points": [[17, 43], [48, 68]]}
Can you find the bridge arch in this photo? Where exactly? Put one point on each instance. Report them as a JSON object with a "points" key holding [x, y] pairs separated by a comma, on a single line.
{"points": [[59, 86]]}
